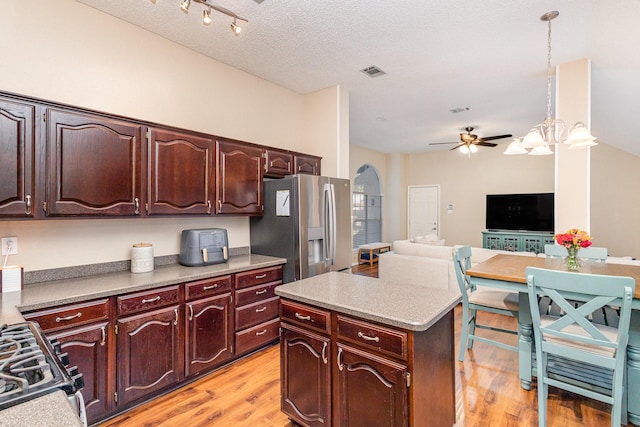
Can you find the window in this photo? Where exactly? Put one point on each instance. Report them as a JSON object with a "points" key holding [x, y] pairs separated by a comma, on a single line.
{"points": [[366, 207]]}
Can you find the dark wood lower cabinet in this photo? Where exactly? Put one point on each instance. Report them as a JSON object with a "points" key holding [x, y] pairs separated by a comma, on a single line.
{"points": [[372, 390], [339, 371], [88, 348], [149, 353], [306, 376], [209, 333]]}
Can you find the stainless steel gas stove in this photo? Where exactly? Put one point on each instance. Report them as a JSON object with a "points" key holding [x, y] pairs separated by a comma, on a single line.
{"points": [[31, 367]]}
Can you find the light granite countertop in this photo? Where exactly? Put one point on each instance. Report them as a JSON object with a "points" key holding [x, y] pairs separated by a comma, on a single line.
{"points": [[410, 307], [50, 410], [59, 292]]}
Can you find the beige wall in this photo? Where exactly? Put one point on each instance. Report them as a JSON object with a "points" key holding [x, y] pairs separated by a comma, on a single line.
{"points": [[68, 52], [464, 183], [615, 205]]}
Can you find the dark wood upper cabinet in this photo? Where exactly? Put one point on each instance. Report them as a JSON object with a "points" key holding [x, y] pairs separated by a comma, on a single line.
{"points": [[306, 164], [239, 178], [93, 165], [277, 163], [180, 173], [17, 158]]}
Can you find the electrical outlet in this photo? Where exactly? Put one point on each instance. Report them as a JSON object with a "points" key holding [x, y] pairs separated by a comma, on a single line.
{"points": [[9, 245]]}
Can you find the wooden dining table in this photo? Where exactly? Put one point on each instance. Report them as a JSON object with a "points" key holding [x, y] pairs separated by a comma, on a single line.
{"points": [[506, 271]]}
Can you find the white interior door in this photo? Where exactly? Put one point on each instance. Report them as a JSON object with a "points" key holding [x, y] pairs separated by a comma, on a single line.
{"points": [[424, 205]]}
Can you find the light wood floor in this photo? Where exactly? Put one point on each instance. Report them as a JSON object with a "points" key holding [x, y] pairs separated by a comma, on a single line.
{"points": [[247, 393]]}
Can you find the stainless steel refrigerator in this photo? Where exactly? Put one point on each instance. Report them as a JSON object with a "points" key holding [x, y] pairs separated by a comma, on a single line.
{"points": [[307, 220]]}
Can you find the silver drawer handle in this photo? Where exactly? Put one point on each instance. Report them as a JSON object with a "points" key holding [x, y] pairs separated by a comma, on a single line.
{"points": [[190, 312], [324, 353], [263, 291], [67, 318], [262, 332], [104, 335], [339, 359], [261, 276], [260, 310], [368, 338], [28, 203], [206, 288], [301, 317], [154, 299]]}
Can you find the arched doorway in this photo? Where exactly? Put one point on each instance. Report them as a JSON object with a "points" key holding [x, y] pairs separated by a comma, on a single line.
{"points": [[366, 206]]}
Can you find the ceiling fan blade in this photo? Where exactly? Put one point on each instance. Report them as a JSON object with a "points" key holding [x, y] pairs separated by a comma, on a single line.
{"points": [[491, 138], [442, 143], [458, 146], [486, 144]]}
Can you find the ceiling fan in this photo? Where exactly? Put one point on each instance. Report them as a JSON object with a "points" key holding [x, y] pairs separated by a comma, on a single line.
{"points": [[468, 140]]}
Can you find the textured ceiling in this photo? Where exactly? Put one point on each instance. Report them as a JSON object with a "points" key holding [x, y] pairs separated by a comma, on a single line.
{"points": [[438, 55]]}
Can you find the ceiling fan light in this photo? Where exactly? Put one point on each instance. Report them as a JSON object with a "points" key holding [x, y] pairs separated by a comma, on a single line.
{"points": [[473, 148], [515, 147], [464, 149], [540, 150]]}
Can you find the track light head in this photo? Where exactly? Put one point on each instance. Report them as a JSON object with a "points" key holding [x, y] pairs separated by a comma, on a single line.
{"points": [[185, 5], [235, 28], [206, 17]]}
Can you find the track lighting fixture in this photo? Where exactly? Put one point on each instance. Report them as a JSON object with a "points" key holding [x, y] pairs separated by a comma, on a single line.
{"points": [[206, 17], [206, 13], [235, 27]]}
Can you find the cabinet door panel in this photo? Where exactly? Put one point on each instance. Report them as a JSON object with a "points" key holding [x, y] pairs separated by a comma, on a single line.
{"points": [[17, 159], [149, 353], [305, 376], [181, 173], [93, 165], [88, 348], [277, 163], [239, 178], [209, 337], [364, 378], [306, 164]]}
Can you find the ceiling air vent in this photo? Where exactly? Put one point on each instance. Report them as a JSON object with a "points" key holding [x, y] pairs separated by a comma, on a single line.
{"points": [[373, 71], [460, 110]]}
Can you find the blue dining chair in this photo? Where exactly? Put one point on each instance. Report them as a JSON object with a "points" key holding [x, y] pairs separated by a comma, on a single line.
{"points": [[474, 300], [572, 337], [592, 253]]}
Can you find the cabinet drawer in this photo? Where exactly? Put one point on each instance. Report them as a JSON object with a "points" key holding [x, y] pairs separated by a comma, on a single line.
{"points": [[306, 316], [147, 300], [203, 288], [70, 315], [252, 338], [374, 337], [255, 294], [257, 277], [255, 313]]}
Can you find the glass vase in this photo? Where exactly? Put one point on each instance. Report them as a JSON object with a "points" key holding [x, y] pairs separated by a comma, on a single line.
{"points": [[572, 261]]}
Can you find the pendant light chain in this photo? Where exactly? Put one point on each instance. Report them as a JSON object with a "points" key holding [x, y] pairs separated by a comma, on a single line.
{"points": [[549, 71]]}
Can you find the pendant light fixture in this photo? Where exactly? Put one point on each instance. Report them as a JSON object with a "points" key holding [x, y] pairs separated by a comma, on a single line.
{"points": [[538, 140]]}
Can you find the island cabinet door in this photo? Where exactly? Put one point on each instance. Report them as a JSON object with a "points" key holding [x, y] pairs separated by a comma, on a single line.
{"points": [[370, 390], [305, 376]]}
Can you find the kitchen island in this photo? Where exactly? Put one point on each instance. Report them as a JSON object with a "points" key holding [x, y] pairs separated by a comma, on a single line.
{"points": [[362, 351]]}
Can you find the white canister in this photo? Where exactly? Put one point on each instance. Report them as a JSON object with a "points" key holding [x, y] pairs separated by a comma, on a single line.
{"points": [[142, 258]]}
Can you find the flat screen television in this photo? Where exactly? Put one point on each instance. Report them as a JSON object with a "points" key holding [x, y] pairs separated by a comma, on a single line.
{"points": [[520, 212]]}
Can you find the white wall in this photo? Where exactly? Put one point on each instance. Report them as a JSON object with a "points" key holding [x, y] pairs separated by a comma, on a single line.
{"points": [[67, 52]]}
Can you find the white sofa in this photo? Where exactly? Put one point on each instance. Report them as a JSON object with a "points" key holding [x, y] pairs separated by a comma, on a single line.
{"points": [[427, 264]]}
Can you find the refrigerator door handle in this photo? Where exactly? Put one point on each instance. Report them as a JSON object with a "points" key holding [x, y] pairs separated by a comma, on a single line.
{"points": [[327, 244], [332, 224]]}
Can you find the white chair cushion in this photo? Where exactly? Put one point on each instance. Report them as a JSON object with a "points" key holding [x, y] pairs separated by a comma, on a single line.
{"points": [[496, 299], [607, 331]]}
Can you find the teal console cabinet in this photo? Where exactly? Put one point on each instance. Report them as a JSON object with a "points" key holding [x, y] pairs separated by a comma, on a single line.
{"points": [[516, 241]]}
